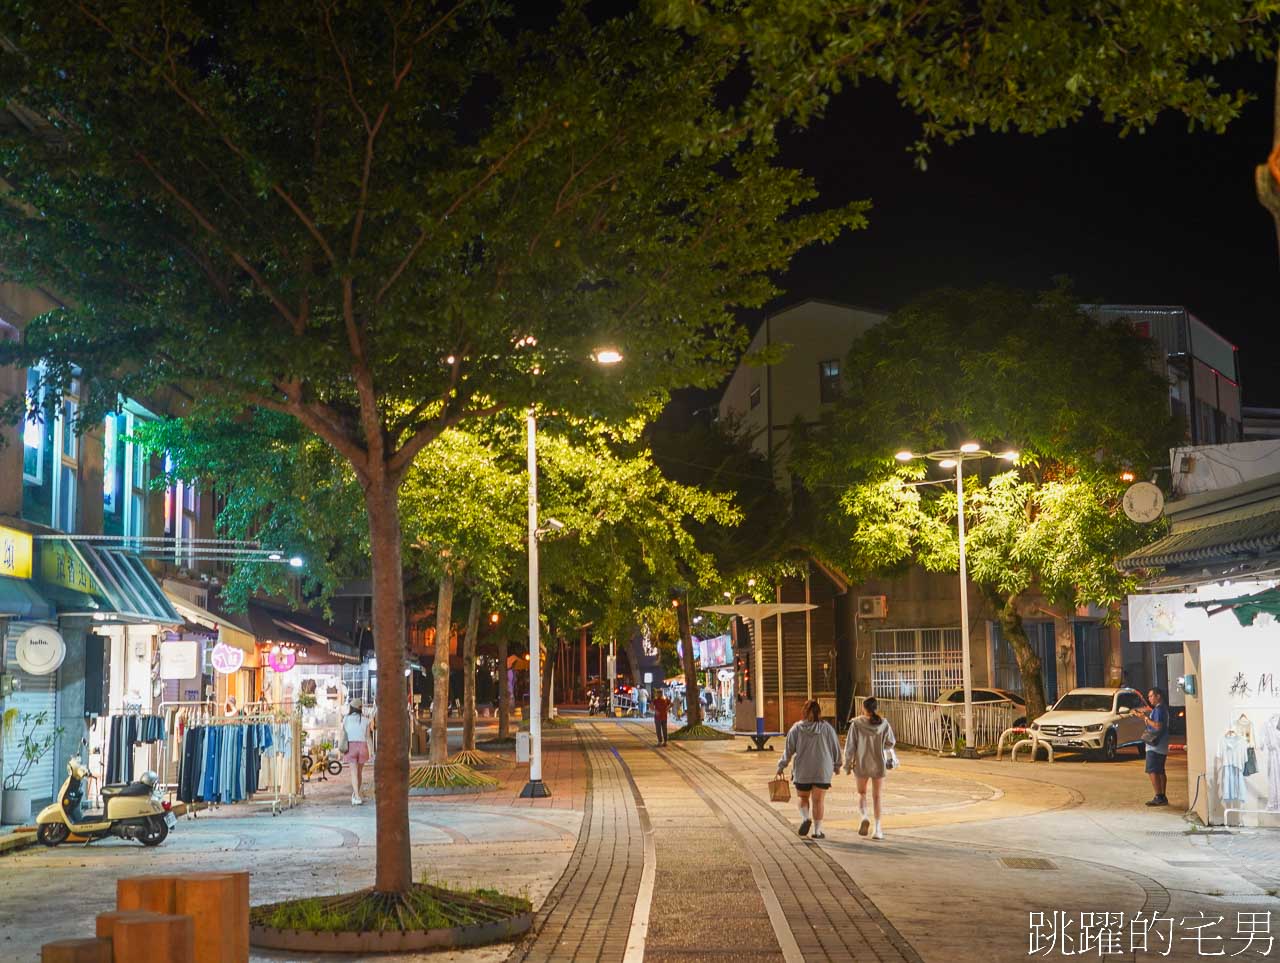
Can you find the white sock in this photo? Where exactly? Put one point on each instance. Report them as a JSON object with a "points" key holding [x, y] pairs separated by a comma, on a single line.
{"points": [[804, 812], [817, 825]]}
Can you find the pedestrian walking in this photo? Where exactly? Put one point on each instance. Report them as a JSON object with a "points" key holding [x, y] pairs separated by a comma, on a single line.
{"points": [[355, 733], [642, 700], [868, 754], [660, 706], [1156, 737], [813, 749]]}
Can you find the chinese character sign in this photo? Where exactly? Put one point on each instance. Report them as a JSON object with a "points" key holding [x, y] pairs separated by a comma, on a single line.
{"points": [[226, 658], [15, 553]]}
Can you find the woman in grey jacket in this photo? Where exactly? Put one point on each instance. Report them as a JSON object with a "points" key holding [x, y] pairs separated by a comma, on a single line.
{"points": [[813, 749], [865, 744]]}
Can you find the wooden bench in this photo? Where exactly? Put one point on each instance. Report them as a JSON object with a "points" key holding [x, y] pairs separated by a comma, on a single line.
{"points": [[761, 739]]}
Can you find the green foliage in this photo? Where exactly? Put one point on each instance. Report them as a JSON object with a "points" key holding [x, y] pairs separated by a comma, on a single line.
{"points": [[1079, 398], [1018, 65], [28, 750], [384, 226], [424, 906]]}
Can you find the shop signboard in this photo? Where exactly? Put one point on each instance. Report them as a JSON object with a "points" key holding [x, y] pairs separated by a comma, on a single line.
{"points": [[282, 660], [40, 650], [716, 651], [179, 659], [226, 658], [60, 565], [725, 675], [15, 553], [1166, 618]]}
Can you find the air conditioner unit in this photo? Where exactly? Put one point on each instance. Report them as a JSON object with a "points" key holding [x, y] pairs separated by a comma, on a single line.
{"points": [[873, 606]]}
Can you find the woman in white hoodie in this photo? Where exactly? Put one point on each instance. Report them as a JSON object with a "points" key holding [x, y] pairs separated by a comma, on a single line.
{"points": [[813, 749], [865, 744]]}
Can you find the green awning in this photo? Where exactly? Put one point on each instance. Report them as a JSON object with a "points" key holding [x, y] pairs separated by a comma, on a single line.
{"points": [[19, 600], [1246, 608], [82, 580]]}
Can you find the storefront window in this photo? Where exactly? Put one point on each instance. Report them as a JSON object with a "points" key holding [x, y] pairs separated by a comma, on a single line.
{"points": [[33, 438]]}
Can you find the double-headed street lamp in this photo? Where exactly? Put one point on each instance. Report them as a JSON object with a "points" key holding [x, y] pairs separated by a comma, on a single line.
{"points": [[955, 458], [535, 788]]}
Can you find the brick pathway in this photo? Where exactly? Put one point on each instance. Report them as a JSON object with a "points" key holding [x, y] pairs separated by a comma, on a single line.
{"points": [[588, 915], [725, 875]]}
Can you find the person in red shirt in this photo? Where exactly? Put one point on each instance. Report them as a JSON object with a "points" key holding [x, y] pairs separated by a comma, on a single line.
{"points": [[660, 706]]}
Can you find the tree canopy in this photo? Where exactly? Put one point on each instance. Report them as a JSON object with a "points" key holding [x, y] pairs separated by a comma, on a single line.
{"points": [[1080, 399]]}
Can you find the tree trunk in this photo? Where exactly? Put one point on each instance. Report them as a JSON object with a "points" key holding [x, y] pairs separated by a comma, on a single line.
{"points": [[692, 694], [504, 689], [440, 673], [469, 673], [549, 676], [391, 775], [1028, 661]]}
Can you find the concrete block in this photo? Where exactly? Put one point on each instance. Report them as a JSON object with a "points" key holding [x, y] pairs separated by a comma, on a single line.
{"points": [[155, 894], [153, 937], [219, 903], [91, 950]]}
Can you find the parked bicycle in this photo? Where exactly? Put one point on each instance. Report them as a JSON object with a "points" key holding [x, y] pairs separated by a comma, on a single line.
{"points": [[321, 764]]}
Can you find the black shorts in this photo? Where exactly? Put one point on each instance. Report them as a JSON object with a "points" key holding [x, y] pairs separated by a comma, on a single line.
{"points": [[808, 786]]}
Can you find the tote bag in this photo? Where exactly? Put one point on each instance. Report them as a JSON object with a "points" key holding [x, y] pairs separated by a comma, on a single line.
{"points": [[779, 789]]}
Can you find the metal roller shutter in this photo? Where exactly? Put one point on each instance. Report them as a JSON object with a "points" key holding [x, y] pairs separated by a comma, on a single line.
{"points": [[32, 694]]}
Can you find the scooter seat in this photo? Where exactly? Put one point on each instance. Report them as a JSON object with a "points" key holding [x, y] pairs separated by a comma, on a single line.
{"points": [[126, 789]]}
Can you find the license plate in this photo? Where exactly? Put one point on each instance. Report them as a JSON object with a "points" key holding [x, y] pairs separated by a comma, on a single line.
{"points": [[1061, 742], [170, 820]]}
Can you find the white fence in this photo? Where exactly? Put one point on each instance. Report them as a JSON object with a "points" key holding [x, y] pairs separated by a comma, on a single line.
{"points": [[931, 725]]}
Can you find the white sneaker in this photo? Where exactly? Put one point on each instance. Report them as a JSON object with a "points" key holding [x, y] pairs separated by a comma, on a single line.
{"points": [[879, 833], [356, 800]]}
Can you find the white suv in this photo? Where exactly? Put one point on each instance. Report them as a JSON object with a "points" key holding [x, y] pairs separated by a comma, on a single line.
{"points": [[1096, 720]]}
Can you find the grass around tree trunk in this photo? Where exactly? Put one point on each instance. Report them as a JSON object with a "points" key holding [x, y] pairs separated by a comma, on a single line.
{"points": [[423, 907], [699, 732]]}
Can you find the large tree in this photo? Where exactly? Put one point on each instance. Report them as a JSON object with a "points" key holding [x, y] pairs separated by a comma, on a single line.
{"points": [[1081, 400], [1016, 65], [382, 222]]}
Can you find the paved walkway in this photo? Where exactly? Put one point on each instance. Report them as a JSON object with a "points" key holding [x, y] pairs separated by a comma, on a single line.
{"points": [[714, 852]]}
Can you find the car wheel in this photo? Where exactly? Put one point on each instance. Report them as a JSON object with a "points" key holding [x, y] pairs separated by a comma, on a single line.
{"points": [[1109, 746], [51, 834]]}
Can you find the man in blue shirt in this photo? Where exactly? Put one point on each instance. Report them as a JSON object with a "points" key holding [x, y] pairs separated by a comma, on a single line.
{"points": [[1157, 740]]}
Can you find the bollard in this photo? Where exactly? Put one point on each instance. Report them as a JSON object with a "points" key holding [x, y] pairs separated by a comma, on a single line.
{"points": [[155, 894], [153, 937], [76, 951], [219, 904]]}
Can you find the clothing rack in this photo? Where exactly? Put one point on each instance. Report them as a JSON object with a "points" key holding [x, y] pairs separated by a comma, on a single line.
{"points": [[1242, 810], [283, 769]]}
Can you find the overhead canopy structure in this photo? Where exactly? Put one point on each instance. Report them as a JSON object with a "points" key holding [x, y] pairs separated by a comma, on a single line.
{"points": [[756, 613], [105, 583], [228, 632]]}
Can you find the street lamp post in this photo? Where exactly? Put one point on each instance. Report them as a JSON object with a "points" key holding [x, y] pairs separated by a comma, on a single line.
{"points": [[535, 788], [955, 458]]}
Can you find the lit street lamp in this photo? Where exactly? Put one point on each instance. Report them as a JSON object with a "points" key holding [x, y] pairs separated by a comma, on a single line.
{"points": [[955, 458], [535, 788]]}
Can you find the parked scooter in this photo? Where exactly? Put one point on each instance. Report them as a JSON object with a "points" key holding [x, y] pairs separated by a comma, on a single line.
{"points": [[595, 703], [132, 811]]}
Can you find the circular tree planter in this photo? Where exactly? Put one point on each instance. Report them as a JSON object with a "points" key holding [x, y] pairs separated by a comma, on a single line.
{"points": [[369, 922], [699, 733], [448, 779]]}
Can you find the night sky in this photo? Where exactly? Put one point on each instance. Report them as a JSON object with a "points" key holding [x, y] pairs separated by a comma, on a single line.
{"points": [[1167, 217]]}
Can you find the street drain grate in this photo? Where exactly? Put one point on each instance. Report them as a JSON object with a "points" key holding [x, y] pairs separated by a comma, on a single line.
{"points": [[1027, 862]]}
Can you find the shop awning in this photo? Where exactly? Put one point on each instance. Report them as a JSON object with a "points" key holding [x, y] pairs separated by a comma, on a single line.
{"points": [[228, 631], [318, 641], [19, 600], [82, 580], [1238, 539]]}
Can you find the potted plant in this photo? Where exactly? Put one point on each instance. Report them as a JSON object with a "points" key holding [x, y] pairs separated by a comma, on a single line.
{"points": [[7, 719], [15, 804]]}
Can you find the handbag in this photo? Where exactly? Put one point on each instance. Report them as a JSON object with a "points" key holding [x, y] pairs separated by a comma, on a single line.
{"points": [[779, 789], [890, 759], [343, 744], [1151, 737]]}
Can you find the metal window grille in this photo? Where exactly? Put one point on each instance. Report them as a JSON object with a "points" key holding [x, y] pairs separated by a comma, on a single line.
{"points": [[1009, 676], [916, 665]]}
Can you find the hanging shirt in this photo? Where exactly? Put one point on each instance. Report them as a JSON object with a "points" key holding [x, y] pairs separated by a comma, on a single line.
{"points": [[1232, 753]]}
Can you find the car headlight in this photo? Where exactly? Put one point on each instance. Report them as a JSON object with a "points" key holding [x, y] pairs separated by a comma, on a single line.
{"points": [[1035, 725], [1096, 727]]}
